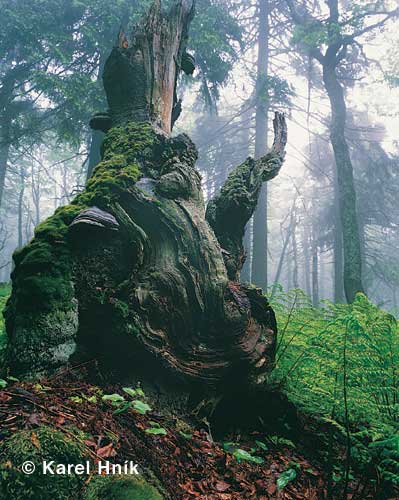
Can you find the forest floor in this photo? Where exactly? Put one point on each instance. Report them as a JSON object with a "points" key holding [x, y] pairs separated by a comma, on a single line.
{"points": [[188, 462]]}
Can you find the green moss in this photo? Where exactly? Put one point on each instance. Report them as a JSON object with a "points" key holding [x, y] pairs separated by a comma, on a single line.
{"points": [[42, 444], [121, 488], [5, 291], [130, 140], [43, 275], [43, 268]]}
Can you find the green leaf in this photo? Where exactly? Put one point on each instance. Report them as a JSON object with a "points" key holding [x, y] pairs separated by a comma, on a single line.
{"points": [[229, 446], [185, 435], [158, 431], [3, 383], [76, 399], [286, 477], [261, 445], [240, 454], [130, 391], [115, 398], [141, 407], [123, 408]]}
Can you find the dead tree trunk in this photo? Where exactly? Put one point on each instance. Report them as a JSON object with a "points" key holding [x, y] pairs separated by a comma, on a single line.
{"points": [[132, 272]]}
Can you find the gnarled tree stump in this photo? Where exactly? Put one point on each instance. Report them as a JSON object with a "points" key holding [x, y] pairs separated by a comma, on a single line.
{"points": [[135, 272]]}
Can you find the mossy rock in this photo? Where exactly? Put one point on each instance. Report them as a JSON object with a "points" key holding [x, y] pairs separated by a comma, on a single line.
{"points": [[36, 446], [121, 488]]}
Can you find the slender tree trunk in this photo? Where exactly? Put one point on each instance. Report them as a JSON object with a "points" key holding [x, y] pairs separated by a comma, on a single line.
{"points": [[315, 272], [246, 273], [345, 180], [282, 258], [4, 153], [294, 255], [20, 208], [339, 295], [306, 258], [97, 136], [259, 260]]}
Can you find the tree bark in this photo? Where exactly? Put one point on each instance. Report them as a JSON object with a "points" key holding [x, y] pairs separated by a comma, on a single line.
{"points": [[283, 253], [133, 272], [147, 67], [339, 296], [97, 136], [345, 180], [4, 153], [259, 254], [294, 255], [315, 271], [306, 260], [21, 207]]}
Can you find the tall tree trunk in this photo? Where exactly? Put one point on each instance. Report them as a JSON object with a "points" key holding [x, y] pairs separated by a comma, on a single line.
{"points": [[4, 153], [246, 273], [306, 259], [339, 296], [346, 186], [21, 208], [283, 254], [260, 246], [315, 271], [97, 136], [294, 255]]}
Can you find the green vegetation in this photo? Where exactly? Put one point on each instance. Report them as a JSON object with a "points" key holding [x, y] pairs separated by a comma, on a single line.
{"points": [[43, 444], [43, 275], [120, 488], [340, 364], [5, 291]]}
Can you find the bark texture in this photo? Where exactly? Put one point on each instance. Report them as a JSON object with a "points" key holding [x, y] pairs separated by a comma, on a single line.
{"points": [[132, 272], [140, 76], [345, 180], [260, 228]]}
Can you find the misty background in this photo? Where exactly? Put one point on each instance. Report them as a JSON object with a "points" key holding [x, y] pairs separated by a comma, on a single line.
{"points": [[253, 58]]}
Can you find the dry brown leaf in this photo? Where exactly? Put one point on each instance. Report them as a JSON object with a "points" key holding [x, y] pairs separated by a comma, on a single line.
{"points": [[35, 440], [106, 451], [222, 486]]}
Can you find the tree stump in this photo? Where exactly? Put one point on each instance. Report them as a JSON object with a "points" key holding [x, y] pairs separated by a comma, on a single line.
{"points": [[135, 272]]}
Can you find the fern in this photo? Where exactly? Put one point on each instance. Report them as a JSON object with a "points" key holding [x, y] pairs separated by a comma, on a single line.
{"points": [[312, 349]]}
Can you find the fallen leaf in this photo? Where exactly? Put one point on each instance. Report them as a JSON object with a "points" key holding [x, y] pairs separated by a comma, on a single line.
{"points": [[106, 451], [35, 440], [60, 420], [4, 397], [221, 486]]}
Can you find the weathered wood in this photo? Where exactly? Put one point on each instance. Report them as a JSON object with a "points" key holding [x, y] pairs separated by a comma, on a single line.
{"points": [[145, 287], [140, 76], [229, 212]]}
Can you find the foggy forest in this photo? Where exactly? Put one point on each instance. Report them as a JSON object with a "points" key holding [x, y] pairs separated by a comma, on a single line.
{"points": [[199, 249]]}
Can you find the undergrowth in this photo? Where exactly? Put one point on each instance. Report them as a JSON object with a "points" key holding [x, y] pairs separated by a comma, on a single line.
{"points": [[341, 363], [5, 291]]}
